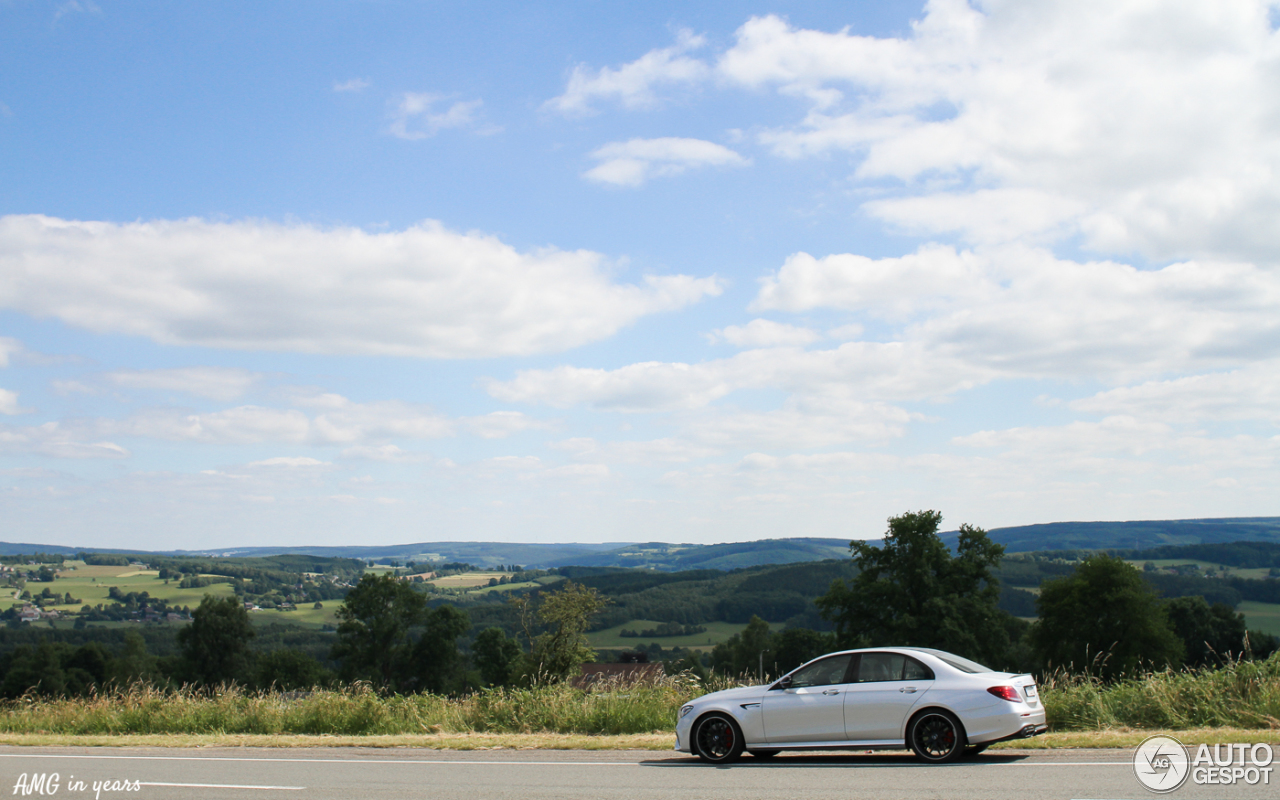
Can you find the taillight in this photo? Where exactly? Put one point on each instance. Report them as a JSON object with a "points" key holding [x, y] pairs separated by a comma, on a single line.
{"points": [[1006, 693]]}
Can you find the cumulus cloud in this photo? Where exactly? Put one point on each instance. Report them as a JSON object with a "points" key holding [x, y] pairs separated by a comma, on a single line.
{"points": [[291, 462], [634, 162], [414, 117], [9, 403], [8, 348], [999, 122], [425, 291], [352, 85], [632, 84], [1249, 393], [57, 440], [216, 383], [867, 371], [765, 333]]}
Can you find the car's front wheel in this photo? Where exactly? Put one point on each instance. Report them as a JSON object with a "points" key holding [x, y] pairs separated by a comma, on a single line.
{"points": [[936, 736], [718, 739]]}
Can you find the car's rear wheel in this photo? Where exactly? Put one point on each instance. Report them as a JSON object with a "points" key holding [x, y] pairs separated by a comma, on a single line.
{"points": [[763, 753], [936, 736], [718, 739]]}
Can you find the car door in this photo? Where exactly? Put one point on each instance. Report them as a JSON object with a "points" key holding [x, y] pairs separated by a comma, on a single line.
{"points": [[881, 694], [811, 707]]}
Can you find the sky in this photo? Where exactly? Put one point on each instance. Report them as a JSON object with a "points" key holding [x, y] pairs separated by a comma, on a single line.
{"points": [[378, 272]]}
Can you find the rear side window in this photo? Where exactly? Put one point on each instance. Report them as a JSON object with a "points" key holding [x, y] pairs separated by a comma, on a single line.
{"points": [[875, 667], [826, 672]]}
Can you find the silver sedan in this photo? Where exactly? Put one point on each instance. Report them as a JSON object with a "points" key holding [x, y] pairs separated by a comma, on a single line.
{"points": [[937, 704]]}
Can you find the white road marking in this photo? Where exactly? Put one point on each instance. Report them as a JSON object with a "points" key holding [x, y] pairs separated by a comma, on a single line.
{"points": [[223, 786], [522, 763]]}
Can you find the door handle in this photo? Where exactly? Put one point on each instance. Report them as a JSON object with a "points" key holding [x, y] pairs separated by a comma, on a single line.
{"points": [[831, 691], [908, 689]]}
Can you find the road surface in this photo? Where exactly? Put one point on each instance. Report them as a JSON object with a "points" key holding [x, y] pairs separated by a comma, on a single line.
{"points": [[351, 773]]}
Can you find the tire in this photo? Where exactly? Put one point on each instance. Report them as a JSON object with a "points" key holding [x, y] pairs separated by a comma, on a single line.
{"points": [[763, 753], [974, 749], [936, 736], [717, 739]]}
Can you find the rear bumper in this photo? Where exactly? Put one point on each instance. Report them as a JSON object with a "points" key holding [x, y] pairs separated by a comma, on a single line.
{"points": [[1028, 730]]}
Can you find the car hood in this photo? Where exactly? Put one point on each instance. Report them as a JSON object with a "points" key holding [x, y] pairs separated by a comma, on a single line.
{"points": [[740, 693]]}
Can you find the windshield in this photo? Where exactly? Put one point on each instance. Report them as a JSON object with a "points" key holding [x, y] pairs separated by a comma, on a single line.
{"points": [[962, 664]]}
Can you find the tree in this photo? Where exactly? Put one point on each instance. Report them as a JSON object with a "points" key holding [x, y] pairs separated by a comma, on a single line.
{"points": [[1103, 617], [496, 656], [558, 653], [289, 670], [388, 636], [911, 591], [1209, 634], [215, 646], [744, 652], [373, 630], [435, 658]]}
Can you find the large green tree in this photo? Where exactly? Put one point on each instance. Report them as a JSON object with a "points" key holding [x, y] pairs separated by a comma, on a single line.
{"points": [[496, 656], [910, 590], [388, 636], [1210, 634], [1105, 618], [215, 646]]}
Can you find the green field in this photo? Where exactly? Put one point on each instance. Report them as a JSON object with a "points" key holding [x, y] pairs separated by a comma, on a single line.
{"points": [[1263, 617], [717, 632], [1235, 572], [90, 585]]}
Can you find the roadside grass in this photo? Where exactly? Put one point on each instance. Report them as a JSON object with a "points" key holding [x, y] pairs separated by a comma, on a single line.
{"points": [[1241, 700]]}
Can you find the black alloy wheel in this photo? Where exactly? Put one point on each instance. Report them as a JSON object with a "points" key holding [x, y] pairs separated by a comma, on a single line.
{"points": [[937, 737], [718, 739]]}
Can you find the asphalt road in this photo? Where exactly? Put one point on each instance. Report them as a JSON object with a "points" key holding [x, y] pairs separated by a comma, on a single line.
{"points": [[347, 773]]}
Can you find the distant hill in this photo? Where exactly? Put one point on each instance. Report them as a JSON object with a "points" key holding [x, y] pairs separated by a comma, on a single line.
{"points": [[1134, 535], [667, 557]]}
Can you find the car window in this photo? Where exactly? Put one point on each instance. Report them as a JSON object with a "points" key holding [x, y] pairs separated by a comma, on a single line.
{"points": [[880, 667], [962, 664], [913, 670], [891, 667], [822, 673]]}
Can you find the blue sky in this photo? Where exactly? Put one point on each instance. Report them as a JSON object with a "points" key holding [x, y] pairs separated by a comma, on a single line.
{"points": [[377, 272]]}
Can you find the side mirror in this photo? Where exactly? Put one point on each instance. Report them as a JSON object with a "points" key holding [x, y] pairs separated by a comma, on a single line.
{"points": [[783, 683]]}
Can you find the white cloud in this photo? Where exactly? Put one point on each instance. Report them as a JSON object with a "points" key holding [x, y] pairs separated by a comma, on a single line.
{"points": [[425, 291], [861, 371], [9, 403], [352, 85], [413, 118], [1019, 109], [1021, 313], [216, 383], [1004, 122], [632, 84], [8, 347], [57, 440], [636, 161], [386, 452], [1249, 393], [765, 333], [291, 462], [500, 424]]}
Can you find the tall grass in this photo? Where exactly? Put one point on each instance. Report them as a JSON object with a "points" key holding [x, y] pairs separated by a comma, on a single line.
{"points": [[559, 708], [1241, 694]]}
